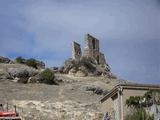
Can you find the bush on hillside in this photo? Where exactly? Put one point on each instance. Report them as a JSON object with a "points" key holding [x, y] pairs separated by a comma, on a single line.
{"points": [[32, 63], [20, 59], [47, 76]]}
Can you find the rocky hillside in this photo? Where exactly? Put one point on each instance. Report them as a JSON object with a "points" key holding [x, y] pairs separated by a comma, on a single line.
{"points": [[73, 98], [85, 67]]}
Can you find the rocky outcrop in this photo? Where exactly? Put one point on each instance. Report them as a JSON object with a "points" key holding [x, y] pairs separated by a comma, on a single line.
{"points": [[73, 67], [22, 72], [68, 65], [93, 89], [17, 72], [81, 73], [25, 74], [4, 74], [72, 71], [4, 60], [34, 79], [86, 67]]}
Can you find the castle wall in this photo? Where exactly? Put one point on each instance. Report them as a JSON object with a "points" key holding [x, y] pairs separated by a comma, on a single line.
{"points": [[102, 59], [91, 50], [76, 51], [88, 50], [92, 47]]}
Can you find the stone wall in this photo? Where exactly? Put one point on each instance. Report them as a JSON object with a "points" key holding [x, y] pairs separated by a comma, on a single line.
{"points": [[102, 59], [91, 50], [91, 47], [76, 51]]}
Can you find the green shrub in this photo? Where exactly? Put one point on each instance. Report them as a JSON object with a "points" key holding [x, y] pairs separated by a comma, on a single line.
{"points": [[20, 59], [31, 62], [133, 101], [47, 76]]}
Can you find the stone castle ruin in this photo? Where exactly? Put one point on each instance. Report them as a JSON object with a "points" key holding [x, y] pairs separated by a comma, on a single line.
{"points": [[90, 62], [91, 50]]}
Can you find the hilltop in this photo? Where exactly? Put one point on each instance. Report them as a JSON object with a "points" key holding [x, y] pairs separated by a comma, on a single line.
{"points": [[70, 92], [72, 98]]}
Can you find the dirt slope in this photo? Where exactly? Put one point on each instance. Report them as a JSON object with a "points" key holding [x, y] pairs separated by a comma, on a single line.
{"points": [[73, 99]]}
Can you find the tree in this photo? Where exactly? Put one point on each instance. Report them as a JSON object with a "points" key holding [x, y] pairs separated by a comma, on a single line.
{"points": [[133, 101]]}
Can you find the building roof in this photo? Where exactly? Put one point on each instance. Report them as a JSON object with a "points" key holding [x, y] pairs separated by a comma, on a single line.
{"points": [[129, 86]]}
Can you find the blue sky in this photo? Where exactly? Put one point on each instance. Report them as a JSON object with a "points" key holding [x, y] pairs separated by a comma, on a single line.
{"points": [[128, 30]]}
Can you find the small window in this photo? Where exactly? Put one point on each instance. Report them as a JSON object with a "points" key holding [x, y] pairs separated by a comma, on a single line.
{"points": [[97, 59], [94, 44]]}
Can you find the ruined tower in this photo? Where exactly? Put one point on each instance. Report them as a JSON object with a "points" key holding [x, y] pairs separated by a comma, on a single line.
{"points": [[89, 62], [76, 51], [92, 49]]}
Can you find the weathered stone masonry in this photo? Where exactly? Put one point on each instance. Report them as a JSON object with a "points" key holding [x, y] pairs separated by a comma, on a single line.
{"points": [[76, 51], [91, 50]]}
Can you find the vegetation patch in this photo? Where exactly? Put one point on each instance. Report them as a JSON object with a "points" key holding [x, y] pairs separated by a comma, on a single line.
{"points": [[139, 114], [32, 63], [139, 103], [20, 59], [47, 76]]}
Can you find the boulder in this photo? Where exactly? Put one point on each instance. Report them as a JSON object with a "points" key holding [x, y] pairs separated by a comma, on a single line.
{"points": [[93, 89], [81, 73], [67, 68], [72, 71], [23, 80], [21, 72], [68, 65], [16, 79], [33, 79], [4, 60], [4, 75]]}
